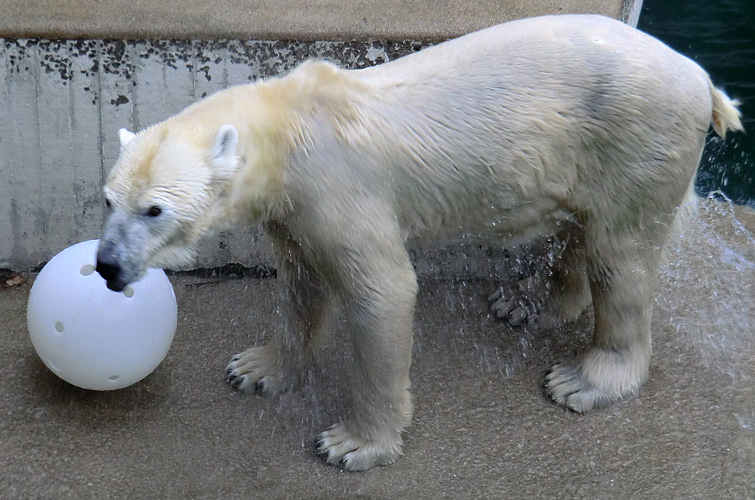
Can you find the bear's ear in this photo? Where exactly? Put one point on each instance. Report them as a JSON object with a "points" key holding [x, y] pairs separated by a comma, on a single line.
{"points": [[225, 143], [224, 151], [125, 136]]}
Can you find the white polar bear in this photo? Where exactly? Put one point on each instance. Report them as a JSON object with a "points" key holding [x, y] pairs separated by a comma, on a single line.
{"points": [[577, 125]]}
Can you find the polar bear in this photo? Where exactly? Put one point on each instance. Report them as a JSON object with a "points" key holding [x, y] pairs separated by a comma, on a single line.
{"points": [[572, 125]]}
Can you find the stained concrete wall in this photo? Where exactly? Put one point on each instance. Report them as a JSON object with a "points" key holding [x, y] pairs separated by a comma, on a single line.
{"points": [[62, 102]]}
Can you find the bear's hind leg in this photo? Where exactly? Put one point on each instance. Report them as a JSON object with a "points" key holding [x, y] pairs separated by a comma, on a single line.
{"points": [[622, 277], [305, 312]]}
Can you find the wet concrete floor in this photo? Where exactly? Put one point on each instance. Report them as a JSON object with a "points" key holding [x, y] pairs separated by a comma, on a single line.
{"points": [[482, 426]]}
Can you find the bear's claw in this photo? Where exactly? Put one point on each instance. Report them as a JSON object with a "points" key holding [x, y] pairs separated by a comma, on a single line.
{"points": [[260, 387], [236, 381]]}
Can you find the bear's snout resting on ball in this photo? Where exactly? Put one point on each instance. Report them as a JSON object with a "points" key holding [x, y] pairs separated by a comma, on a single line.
{"points": [[572, 125]]}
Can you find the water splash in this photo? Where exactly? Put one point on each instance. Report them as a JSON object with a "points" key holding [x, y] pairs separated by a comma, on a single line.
{"points": [[706, 286]]}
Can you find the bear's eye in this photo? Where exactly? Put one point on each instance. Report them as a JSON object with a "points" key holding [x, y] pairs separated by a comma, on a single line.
{"points": [[108, 204], [154, 211]]}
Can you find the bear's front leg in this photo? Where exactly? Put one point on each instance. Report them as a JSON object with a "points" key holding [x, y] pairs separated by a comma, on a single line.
{"points": [[379, 287], [305, 311]]}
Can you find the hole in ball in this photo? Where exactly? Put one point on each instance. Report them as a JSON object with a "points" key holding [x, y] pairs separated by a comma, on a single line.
{"points": [[59, 327], [128, 292], [87, 269], [113, 378]]}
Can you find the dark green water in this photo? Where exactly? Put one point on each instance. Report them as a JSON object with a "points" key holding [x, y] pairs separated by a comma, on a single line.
{"points": [[720, 36]]}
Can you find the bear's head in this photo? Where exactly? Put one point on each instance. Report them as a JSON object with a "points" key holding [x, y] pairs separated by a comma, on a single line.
{"points": [[163, 193]]}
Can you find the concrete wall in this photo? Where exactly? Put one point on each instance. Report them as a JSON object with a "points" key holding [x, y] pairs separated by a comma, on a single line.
{"points": [[306, 20], [62, 102]]}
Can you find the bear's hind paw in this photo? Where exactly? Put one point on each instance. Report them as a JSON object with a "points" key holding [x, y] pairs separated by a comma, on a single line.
{"points": [[566, 386], [519, 303], [602, 377]]}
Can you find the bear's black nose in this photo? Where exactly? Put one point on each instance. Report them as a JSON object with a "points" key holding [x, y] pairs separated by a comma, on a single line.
{"points": [[109, 270]]}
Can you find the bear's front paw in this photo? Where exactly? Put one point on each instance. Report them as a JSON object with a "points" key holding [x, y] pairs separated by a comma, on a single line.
{"points": [[343, 447], [256, 369]]}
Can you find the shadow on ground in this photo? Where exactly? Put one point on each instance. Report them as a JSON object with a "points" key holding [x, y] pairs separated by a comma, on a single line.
{"points": [[482, 427]]}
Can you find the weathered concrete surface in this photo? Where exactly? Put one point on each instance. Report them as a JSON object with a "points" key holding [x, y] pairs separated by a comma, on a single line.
{"points": [[482, 427], [282, 19]]}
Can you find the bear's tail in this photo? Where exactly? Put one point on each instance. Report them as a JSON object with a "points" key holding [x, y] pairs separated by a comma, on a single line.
{"points": [[725, 114]]}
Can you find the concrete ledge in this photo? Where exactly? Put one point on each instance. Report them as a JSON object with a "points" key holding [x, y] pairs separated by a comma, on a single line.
{"points": [[281, 19]]}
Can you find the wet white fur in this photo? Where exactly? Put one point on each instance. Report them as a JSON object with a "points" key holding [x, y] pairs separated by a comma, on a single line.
{"points": [[576, 125]]}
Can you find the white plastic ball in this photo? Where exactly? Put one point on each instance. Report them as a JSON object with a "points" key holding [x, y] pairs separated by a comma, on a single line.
{"points": [[93, 337]]}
